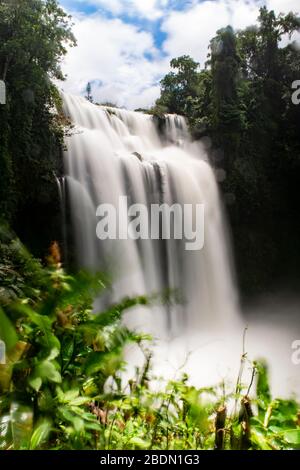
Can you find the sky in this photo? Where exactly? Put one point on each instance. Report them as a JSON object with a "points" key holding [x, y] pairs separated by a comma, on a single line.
{"points": [[125, 46]]}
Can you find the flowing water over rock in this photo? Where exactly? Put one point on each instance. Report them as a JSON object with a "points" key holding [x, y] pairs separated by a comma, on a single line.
{"points": [[114, 153]]}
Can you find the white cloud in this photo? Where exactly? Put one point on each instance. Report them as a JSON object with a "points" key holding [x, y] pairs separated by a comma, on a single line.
{"points": [[189, 31], [284, 6], [120, 59], [149, 9], [123, 61]]}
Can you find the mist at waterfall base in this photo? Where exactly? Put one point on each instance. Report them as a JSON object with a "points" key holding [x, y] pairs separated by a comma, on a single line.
{"points": [[113, 153]]}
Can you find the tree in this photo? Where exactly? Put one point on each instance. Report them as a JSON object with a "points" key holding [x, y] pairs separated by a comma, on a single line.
{"points": [[34, 36], [227, 116], [179, 88], [89, 92]]}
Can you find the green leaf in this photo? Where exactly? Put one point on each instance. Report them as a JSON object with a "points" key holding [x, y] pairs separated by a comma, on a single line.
{"points": [[292, 436], [259, 439], [46, 401], [40, 433], [42, 321], [262, 387], [53, 353], [106, 363], [139, 443], [7, 331], [80, 401], [78, 424], [47, 370], [95, 362], [70, 395], [93, 426], [35, 383], [67, 349]]}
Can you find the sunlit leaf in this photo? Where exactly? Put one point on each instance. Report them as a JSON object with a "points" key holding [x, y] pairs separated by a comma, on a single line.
{"points": [[292, 436], [139, 443], [40, 433]]}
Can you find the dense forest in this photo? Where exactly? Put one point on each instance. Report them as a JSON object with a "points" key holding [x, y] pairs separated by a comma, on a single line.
{"points": [[34, 37], [60, 355], [241, 104]]}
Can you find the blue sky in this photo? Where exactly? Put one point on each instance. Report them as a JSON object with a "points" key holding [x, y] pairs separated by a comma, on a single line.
{"points": [[125, 46]]}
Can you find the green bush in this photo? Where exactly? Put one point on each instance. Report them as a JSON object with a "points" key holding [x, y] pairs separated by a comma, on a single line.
{"points": [[62, 388]]}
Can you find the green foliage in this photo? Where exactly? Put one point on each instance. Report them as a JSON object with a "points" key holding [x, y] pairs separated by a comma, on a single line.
{"points": [[227, 115], [179, 89], [34, 36], [59, 357], [277, 424], [62, 386], [7, 331], [21, 275]]}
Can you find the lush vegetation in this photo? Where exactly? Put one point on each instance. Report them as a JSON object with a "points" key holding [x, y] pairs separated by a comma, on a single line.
{"points": [[62, 387], [241, 101], [34, 37]]}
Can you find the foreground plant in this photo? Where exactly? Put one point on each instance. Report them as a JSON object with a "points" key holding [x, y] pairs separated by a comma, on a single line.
{"points": [[61, 385], [58, 357]]}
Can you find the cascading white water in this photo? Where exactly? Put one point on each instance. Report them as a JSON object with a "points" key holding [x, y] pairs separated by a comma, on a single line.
{"points": [[114, 153]]}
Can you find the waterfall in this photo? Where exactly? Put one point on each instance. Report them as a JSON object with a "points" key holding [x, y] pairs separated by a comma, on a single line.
{"points": [[114, 152], [61, 186]]}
